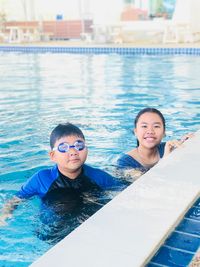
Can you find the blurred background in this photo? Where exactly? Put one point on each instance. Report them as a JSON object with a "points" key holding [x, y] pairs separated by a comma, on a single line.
{"points": [[97, 10], [43, 20]]}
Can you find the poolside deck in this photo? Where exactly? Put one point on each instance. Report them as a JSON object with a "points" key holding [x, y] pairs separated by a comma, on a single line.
{"points": [[79, 43]]}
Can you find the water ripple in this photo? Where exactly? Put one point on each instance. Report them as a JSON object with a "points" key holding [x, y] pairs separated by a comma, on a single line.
{"points": [[101, 94]]}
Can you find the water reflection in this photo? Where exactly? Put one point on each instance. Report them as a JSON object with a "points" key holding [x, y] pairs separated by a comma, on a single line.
{"points": [[101, 94]]}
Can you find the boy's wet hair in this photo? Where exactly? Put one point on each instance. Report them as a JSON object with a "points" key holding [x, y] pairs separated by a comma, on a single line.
{"points": [[65, 129]]}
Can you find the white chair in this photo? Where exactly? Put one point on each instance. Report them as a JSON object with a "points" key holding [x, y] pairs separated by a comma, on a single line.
{"points": [[143, 30], [185, 24]]}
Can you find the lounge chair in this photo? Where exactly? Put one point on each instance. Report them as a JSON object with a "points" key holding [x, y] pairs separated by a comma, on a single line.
{"points": [[185, 24], [151, 30]]}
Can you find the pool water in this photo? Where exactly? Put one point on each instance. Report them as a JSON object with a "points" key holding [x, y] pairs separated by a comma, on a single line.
{"points": [[101, 94]]}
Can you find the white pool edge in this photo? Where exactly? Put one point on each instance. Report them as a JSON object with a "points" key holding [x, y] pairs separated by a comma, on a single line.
{"points": [[129, 229]]}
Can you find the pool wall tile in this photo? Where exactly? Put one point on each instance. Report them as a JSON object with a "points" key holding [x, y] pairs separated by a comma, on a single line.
{"points": [[131, 228], [194, 213], [189, 226], [102, 50], [172, 258], [183, 241], [197, 203]]}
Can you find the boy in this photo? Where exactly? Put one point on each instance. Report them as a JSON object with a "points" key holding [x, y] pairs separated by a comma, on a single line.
{"points": [[69, 176]]}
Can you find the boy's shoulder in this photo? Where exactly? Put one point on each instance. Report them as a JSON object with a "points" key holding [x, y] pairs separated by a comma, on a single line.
{"points": [[101, 177], [38, 183], [89, 170], [46, 174], [46, 171]]}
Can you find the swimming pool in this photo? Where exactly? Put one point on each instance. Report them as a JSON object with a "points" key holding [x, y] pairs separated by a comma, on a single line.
{"points": [[101, 93]]}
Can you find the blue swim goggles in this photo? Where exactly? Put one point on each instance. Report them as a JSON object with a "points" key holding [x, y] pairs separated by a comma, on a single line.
{"points": [[65, 147]]}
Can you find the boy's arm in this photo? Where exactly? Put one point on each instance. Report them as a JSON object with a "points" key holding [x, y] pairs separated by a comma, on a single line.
{"points": [[8, 209], [32, 187]]}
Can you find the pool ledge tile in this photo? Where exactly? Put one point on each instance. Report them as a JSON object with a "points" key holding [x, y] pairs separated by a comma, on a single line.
{"points": [[129, 229]]}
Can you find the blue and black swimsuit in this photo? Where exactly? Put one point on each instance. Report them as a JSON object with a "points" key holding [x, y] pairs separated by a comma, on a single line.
{"points": [[48, 181]]}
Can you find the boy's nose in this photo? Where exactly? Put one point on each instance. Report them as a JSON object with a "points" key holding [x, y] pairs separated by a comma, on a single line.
{"points": [[73, 151]]}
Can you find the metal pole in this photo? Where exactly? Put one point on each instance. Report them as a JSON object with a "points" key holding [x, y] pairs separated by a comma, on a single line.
{"points": [[81, 16]]}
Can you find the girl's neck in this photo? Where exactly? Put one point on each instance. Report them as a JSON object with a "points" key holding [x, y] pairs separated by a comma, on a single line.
{"points": [[148, 157], [147, 152]]}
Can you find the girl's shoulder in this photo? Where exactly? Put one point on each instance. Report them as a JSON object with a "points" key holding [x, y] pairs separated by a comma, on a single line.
{"points": [[127, 161]]}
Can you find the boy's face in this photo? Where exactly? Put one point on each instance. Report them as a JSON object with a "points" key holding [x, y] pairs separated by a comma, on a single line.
{"points": [[70, 162]]}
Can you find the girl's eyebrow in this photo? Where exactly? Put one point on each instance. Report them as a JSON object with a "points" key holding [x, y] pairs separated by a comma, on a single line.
{"points": [[142, 122]]}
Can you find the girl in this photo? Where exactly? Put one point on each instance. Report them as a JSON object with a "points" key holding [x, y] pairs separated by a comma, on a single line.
{"points": [[149, 131]]}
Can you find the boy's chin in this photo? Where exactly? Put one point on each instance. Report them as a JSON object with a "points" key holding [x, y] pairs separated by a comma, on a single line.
{"points": [[75, 167]]}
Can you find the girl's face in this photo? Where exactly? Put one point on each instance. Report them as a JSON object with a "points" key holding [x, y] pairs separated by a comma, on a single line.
{"points": [[72, 160], [149, 130]]}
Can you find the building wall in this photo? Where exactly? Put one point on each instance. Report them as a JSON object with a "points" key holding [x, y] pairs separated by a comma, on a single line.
{"points": [[64, 29]]}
